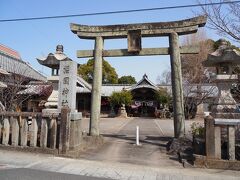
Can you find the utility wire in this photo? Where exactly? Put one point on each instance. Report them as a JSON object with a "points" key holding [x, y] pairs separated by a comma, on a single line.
{"points": [[118, 12]]}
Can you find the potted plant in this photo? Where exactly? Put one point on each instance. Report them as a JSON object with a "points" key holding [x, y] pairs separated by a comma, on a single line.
{"points": [[198, 134]]}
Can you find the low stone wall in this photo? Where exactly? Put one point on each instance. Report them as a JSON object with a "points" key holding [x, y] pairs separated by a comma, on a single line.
{"points": [[30, 149], [52, 133], [29, 132]]}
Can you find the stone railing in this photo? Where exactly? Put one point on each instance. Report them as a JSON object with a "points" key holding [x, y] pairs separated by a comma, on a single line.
{"points": [[29, 131], [213, 137]]}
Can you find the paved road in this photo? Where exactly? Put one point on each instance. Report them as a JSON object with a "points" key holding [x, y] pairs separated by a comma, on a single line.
{"points": [[32, 174]]}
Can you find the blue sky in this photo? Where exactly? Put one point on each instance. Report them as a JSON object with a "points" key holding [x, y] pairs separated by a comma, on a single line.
{"points": [[34, 39]]}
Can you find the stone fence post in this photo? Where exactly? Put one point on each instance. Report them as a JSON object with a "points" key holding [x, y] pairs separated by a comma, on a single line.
{"points": [[64, 130], [212, 138], [70, 130], [75, 130]]}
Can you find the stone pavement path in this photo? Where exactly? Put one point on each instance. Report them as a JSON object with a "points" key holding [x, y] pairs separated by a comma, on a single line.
{"points": [[112, 170], [120, 137]]}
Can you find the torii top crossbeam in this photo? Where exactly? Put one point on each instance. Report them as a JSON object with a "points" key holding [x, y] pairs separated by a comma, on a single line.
{"points": [[187, 26]]}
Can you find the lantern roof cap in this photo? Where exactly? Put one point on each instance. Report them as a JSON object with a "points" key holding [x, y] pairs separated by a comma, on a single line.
{"points": [[53, 59], [225, 54]]}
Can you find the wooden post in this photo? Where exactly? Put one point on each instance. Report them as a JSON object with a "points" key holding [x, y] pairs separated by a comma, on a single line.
{"points": [[53, 136], [24, 132], [15, 132], [96, 88], [231, 142], [44, 133], [64, 130], [6, 130], [177, 90], [33, 133]]}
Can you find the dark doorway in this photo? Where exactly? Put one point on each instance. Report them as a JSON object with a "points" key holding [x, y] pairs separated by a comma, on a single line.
{"points": [[144, 102]]}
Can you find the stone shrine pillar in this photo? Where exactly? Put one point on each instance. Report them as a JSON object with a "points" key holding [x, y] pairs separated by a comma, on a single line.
{"points": [[96, 88], [177, 90], [67, 85], [70, 128]]}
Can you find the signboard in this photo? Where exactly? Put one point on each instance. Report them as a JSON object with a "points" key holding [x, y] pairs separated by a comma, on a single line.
{"points": [[67, 85], [134, 41]]}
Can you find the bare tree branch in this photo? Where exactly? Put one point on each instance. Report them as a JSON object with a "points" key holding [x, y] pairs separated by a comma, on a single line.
{"points": [[9, 96], [224, 19], [195, 76]]}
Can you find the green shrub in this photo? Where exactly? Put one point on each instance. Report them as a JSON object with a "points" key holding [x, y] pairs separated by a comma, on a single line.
{"points": [[162, 96], [119, 98]]}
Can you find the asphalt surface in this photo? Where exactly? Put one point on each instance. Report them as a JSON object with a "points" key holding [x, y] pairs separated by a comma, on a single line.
{"points": [[32, 174]]}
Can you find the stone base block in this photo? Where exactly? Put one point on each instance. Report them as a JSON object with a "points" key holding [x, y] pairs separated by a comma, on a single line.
{"points": [[87, 142], [123, 115], [50, 112], [111, 115], [92, 142], [224, 108], [30, 149], [203, 162], [226, 115]]}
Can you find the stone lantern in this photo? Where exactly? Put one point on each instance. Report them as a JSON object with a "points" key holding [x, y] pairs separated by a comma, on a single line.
{"points": [[224, 59], [53, 61]]}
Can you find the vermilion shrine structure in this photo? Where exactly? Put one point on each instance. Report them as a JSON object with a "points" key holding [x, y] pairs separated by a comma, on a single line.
{"points": [[134, 34]]}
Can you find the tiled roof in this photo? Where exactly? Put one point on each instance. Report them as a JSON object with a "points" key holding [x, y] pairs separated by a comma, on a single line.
{"points": [[11, 62], [9, 51], [2, 85], [41, 90], [209, 90], [4, 72], [107, 90], [144, 83], [84, 84]]}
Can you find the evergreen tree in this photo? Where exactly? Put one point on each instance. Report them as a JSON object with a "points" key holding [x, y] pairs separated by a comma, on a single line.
{"points": [[127, 80], [109, 74]]}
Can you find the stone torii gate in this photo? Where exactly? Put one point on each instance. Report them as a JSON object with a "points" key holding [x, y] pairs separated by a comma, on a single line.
{"points": [[134, 33]]}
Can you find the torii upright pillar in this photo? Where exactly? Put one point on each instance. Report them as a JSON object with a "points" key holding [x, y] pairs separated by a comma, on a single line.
{"points": [[177, 89], [96, 88]]}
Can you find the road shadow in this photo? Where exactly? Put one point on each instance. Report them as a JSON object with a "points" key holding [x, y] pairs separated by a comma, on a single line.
{"points": [[160, 141]]}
